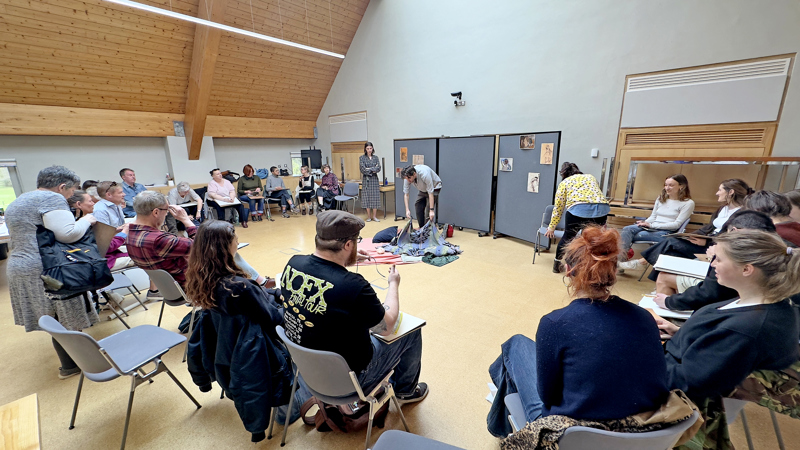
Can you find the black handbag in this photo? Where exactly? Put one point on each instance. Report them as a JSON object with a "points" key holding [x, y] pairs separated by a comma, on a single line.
{"points": [[70, 269]]}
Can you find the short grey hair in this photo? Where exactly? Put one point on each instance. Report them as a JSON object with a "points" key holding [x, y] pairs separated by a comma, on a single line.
{"points": [[145, 202], [54, 176], [183, 186]]}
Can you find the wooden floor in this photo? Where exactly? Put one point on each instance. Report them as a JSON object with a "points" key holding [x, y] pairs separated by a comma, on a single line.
{"points": [[472, 305]]}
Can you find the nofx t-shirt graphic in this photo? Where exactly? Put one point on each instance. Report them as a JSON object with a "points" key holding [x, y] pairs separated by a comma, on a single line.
{"points": [[327, 307]]}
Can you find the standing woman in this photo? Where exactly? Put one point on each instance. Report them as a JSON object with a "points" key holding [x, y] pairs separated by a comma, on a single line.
{"points": [[328, 189], [46, 206], [306, 194], [370, 166], [580, 195], [80, 203], [250, 185]]}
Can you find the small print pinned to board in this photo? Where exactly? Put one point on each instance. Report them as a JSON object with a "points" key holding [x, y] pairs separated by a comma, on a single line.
{"points": [[397, 172], [506, 164], [403, 154], [419, 159], [527, 141], [533, 182], [547, 154]]}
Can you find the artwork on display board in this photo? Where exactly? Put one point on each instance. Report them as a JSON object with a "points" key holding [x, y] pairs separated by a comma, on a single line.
{"points": [[397, 172], [403, 154], [506, 164], [527, 141], [419, 159], [547, 154], [533, 182]]}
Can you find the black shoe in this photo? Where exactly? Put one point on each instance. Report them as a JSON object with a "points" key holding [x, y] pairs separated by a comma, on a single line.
{"points": [[556, 266], [418, 395], [285, 214], [67, 373]]}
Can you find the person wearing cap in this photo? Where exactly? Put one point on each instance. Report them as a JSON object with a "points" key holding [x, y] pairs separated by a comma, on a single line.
{"points": [[330, 308], [428, 184]]}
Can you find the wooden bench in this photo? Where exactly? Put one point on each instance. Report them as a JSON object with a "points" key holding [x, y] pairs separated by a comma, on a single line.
{"points": [[19, 424], [621, 216]]}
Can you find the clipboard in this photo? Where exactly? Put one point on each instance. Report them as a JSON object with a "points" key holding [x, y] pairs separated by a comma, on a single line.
{"points": [[406, 323]]}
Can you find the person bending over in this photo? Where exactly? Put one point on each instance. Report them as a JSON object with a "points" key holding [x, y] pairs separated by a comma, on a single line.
{"points": [[670, 211], [275, 188], [182, 194], [429, 185], [330, 308], [599, 358], [722, 343]]}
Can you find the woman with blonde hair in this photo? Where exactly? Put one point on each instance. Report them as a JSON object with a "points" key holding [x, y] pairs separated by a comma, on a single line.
{"points": [[722, 343]]}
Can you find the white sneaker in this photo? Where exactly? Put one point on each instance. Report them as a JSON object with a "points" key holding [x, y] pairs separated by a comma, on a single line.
{"points": [[375, 220], [633, 264]]}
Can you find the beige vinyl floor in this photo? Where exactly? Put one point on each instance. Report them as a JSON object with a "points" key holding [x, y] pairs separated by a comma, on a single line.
{"points": [[471, 305]]}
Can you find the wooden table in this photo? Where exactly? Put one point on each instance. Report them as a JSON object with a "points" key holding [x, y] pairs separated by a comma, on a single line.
{"points": [[19, 424], [384, 190]]}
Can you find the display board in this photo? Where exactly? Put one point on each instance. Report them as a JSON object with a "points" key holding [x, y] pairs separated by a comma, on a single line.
{"points": [[405, 151], [518, 211], [466, 167]]}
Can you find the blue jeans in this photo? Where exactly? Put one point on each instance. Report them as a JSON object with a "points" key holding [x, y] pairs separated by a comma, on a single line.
{"points": [[253, 204], [403, 355], [633, 233], [284, 195], [514, 371]]}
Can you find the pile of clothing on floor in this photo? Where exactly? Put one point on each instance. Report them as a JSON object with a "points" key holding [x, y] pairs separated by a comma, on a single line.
{"points": [[426, 243]]}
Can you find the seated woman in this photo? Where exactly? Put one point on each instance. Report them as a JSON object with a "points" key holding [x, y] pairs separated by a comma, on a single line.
{"points": [[221, 190], [306, 191], [731, 194], [779, 209], [599, 358], [794, 198], [670, 211], [81, 204], [182, 194], [328, 189], [249, 185], [722, 343]]}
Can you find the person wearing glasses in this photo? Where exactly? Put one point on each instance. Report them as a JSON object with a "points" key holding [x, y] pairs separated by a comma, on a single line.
{"points": [[109, 209], [152, 249], [336, 310]]}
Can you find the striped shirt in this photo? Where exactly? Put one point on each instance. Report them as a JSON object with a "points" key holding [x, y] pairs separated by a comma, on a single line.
{"points": [[153, 249]]}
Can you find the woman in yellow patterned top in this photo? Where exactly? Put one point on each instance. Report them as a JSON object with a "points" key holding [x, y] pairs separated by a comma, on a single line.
{"points": [[580, 195]]}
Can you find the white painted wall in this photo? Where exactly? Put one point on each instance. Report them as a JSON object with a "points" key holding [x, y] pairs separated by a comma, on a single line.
{"points": [[97, 158], [234, 154], [528, 65], [184, 169]]}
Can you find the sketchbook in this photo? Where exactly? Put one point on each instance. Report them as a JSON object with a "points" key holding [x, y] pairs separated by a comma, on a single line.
{"points": [[647, 303], [688, 235], [682, 266], [226, 204], [406, 323]]}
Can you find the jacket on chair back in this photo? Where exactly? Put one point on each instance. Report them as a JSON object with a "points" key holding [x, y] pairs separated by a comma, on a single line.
{"points": [[235, 344]]}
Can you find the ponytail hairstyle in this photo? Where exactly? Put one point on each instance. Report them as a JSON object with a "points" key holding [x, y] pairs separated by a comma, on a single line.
{"points": [[770, 203], [683, 192], [794, 197], [779, 264], [740, 190], [211, 261], [569, 169], [592, 261]]}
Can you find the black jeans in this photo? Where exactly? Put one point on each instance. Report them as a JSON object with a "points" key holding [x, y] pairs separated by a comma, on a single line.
{"points": [[221, 211], [673, 246], [421, 206], [66, 362], [572, 225]]}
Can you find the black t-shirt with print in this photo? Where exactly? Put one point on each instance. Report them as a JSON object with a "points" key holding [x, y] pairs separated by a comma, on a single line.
{"points": [[329, 308]]}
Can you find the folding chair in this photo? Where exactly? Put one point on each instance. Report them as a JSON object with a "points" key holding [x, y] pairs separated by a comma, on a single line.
{"points": [[122, 282], [559, 231], [173, 296], [651, 243], [400, 440], [330, 379], [350, 192], [121, 354], [267, 205], [586, 438]]}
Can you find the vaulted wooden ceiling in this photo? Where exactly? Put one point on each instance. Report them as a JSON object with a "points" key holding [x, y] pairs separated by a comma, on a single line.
{"points": [[100, 55]]}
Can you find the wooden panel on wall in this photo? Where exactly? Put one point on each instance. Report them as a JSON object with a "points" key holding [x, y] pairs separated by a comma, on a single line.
{"points": [[350, 152], [675, 143], [244, 127]]}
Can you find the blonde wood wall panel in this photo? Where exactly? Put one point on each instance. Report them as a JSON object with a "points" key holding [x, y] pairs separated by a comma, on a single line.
{"points": [[219, 126]]}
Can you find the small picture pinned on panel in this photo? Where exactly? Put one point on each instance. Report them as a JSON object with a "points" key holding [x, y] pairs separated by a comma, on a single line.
{"points": [[547, 154], [419, 159], [533, 182], [527, 141], [506, 164], [403, 154], [397, 172]]}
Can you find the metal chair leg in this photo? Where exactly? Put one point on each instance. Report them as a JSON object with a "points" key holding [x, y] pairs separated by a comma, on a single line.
{"points": [[274, 413], [746, 430], [137, 298], [128, 414], [77, 399], [289, 411], [169, 372], [647, 266], [108, 299], [371, 417], [777, 429], [161, 314], [400, 411]]}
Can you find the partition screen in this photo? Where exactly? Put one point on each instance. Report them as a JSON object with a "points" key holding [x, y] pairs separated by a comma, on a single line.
{"points": [[519, 208], [466, 167], [425, 150]]}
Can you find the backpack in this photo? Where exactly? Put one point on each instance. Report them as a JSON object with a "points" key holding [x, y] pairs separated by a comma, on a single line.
{"points": [[69, 269], [344, 418]]}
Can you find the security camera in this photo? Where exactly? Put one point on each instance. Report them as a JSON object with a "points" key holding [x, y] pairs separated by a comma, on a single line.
{"points": [[458, 101], [456, 94]]}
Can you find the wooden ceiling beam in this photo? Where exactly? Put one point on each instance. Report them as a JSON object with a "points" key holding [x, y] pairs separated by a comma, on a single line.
{"points": [[201, 76]]}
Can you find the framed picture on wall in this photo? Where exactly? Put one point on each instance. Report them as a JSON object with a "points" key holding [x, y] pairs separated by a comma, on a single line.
{"points": [[527, 141], [506, 164], [533, 182], [419, 159], [547, 154]]}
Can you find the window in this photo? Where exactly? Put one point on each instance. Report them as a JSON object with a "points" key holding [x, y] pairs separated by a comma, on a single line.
{"points": [[297, 163], [9, 182]]}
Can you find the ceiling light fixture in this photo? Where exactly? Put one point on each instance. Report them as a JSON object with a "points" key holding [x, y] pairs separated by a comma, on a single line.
{"points": [[220, 26]]}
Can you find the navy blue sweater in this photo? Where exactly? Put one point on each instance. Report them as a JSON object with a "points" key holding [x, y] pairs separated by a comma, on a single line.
{"points": [[600, 360]]}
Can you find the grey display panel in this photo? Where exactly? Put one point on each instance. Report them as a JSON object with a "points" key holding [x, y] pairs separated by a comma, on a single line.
{"points": [[518, 213], [466, 173], [424, 147]]}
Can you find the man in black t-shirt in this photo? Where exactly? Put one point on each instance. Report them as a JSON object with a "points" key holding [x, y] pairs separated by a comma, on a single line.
{"points": [[327, 307]]}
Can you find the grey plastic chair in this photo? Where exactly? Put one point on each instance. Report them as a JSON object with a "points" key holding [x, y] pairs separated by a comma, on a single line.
{"points": [[330, 379], [173, 296], [350, 192], [121, 354], [267, 203], [586, 438], [559, 231], [399, 440], [121, 281], [681, 229], [734, 407]]}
